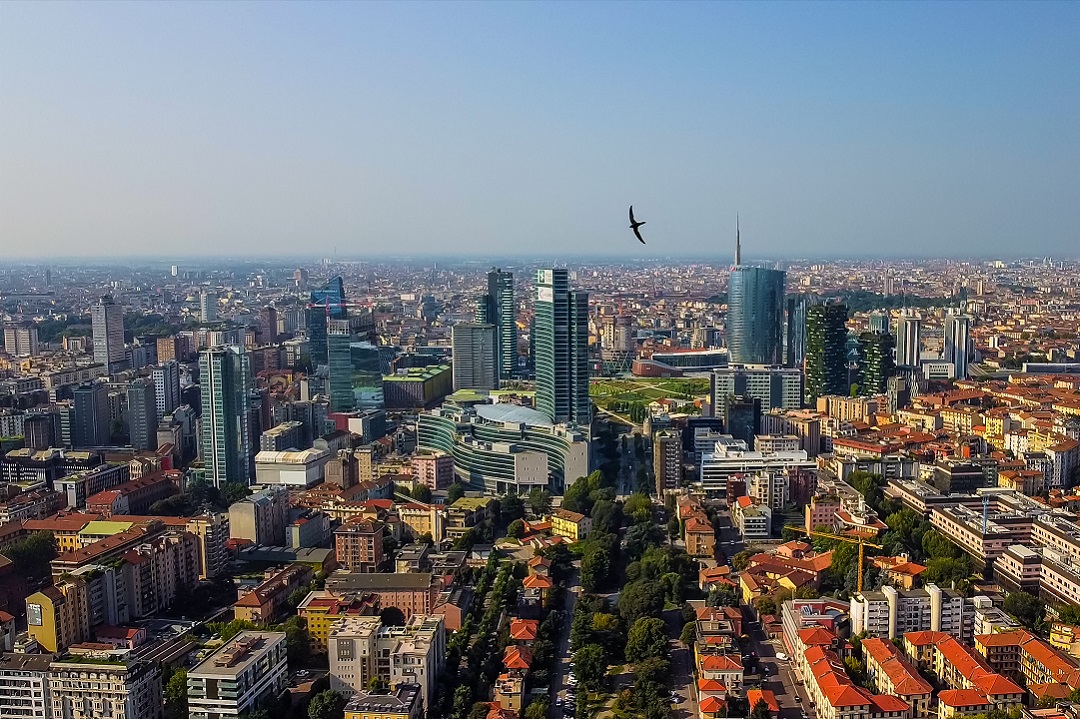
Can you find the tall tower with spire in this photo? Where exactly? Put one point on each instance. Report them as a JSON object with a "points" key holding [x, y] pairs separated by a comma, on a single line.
{"points": [[738, 242], [755, 321]]}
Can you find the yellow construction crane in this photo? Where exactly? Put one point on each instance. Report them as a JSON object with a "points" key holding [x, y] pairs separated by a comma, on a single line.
{"points": [[850, 540]]}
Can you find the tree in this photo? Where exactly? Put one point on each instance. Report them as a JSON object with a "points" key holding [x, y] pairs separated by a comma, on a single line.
{"points": [[32, 555], [590, 666], [511, 507], [606, 517], [1069, 614], [327, 705], [456, 492], [376, 685], [741, 560], [516, 529], [765, 605], [1028, 609], [946, 571], [673, 527], [653, 669], [639, 508], [647, 638], [642, 484], [539, 501], [689, 633], [479, 710], [176, 705], [937, 545], [595, 568], [297, 642], [298, 595], [760, 710], [538, 709], [640, 599], [421, 493], [392, 617], [234, 492]]}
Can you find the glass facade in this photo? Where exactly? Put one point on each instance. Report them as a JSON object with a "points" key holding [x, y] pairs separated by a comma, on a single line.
{"points": [[561, 349], [326, 304], [226, 444], [339, 362], [755, 324]]}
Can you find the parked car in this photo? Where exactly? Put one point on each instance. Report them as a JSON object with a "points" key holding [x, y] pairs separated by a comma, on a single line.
{"points": [[781, 656]]}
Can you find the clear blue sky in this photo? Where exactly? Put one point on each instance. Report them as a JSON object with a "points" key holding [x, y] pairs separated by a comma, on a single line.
{"points": [[192, 128]]}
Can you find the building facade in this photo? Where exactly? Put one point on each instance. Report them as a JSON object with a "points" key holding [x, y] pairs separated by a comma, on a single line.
{"points": [[561, 352]]}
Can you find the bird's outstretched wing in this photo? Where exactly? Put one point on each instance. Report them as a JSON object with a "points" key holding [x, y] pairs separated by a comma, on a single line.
{"points": [[637, 234], [632, 216]]}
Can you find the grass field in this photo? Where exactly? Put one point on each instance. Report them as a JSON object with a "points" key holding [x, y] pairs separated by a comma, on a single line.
{"points": [[608, 392]]}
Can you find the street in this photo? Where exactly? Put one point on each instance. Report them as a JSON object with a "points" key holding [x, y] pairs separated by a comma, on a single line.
{"points": [[562, 649], [781, 678]]}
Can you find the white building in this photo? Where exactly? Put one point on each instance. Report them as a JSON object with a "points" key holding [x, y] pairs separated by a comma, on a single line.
{"points": [[301, 469], [731, 457], [24, 686], [769, 488], [236, 677], [474, 364], [107, 319], [893, 612], [80, 687], [754, 521]]}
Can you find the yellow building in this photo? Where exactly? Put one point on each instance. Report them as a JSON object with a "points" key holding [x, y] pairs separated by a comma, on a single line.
{"points": [[571, 525], [404, 703], [423, 519], [320, 610], [59, 616]]}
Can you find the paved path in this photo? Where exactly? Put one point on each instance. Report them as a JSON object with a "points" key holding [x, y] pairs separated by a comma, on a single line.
{"points": [[562, 649]]}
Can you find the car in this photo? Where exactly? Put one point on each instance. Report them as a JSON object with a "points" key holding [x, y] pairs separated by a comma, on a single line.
{"points": [[781, 656], [811, 702], [558, 701], [798, 698], [302, 673]]}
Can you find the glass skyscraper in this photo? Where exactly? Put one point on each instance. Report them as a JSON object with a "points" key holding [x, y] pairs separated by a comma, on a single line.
{"points": [[227, 449], [326, 304], [497, 307], [755, 323], [561, 349], [339, 364]]}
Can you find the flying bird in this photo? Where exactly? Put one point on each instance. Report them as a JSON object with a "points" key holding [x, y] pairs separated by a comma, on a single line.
{"points": [[634, 225]]}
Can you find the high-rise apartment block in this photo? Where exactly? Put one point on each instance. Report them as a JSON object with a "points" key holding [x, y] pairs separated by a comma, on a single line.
{"points": [[826, 355], [617, 343], [877, 363], [235, 679], [667, 461], [958, 343], [261, 517], [497, 308], [24, 686], [561, 349], [90, 402], [208, 306], [475, 356], [92, 687], [773, 387], [21, 340], [755, 323], [358, 545], [908, 339], [166, 379], [107, 319], [142, 414], [227, 447]]}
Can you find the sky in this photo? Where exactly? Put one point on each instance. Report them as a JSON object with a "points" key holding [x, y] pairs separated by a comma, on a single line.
{"points": [[491, 129]]}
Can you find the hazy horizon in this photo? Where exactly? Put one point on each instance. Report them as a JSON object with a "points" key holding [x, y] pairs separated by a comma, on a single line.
{"points": [[524, 130]]}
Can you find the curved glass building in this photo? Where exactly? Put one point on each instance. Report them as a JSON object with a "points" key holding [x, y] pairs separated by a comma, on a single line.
{"points": [[755, 322], [500, 448]]}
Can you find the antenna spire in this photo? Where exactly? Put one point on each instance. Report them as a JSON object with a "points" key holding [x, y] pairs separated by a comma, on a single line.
{"points": [[738, 242]]}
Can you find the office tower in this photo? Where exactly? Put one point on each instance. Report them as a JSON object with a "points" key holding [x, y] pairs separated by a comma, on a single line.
{"points": [[21, 340], [878, 365], [108, 327], [617, 344], [908, 339], [826, 355], [339, 364], [326, 304], [166, 387], [795, 330], [755, 322], [562, 347], [742, 417], [890, 285], [958, 342], [227, 447], [38, 431], [142, 414], [91, 415], [208, 305], [667, 461], [879, 322], [268, 325], [773, 387], [497, 307], [475, 356]]}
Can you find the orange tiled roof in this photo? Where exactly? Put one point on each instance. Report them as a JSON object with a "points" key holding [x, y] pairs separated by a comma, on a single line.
{"points": [[961, 698], [524, 629], [753, 696]]}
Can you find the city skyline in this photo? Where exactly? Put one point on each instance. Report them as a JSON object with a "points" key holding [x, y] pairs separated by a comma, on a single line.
{"points": [[344, 130]]}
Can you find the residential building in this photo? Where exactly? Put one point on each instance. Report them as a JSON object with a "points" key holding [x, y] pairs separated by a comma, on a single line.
{"points": [[226, 446], [561, 349], [412, 593], [284, 436], [142, 414], [1024, 657], [166, 379], [667, 461], [24, 686], [261, 517], [877, 362], [358, 545], [908, 339], [958, 344], [772, 387], [362, 648], [433, 468], [237, 676], [731, 457], [91, 425], [105, 685], [571, 525], [498, 308], [321, 609], [475, 362], [893, 612], [754, 521], [265, 602], [21, 340], [404, 702], [59, 616], [826, 353]]}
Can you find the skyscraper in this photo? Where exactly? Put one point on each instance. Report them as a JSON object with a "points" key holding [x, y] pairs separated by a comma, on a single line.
{"points": [[958, 342], [876, 351], [90, 427], [208, 306], [755, 323], [908, 339], [142, 414], [617, 343], [475, 356], [826, 355], [795, 330], [561, 349], [226, 446], [339, 363], [497, 307], [166, 387], [879, 322], [108, 327], [773, 387], [326, 304], [21, 340]]}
